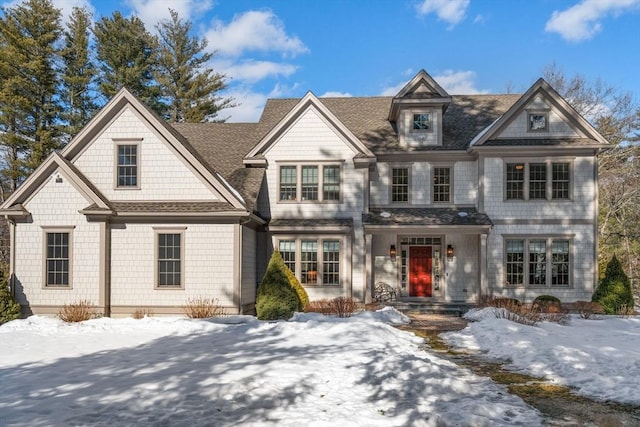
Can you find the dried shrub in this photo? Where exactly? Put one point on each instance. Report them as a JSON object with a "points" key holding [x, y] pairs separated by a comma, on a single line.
{"points": [[547, 304], [587, 309], [625, 311], [340, 306], [513, 310], [77, 312], [141, 313], [203, 308]]}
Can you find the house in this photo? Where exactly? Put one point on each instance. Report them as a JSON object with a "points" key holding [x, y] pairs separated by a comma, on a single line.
{"points": [[443, 198]]}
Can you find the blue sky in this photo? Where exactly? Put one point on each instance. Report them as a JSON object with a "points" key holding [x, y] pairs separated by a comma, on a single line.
{"points": [[372, 47]]}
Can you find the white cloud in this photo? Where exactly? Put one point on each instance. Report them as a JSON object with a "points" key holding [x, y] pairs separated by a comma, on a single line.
{"points": [[250, 108], [252, 71], [458, 82], [451, 11], [153, 11], [335, 94], [454, 82], [260, 31], [583, 20]]}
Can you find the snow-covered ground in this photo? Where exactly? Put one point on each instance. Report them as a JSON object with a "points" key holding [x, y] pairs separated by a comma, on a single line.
{"points": [[600, 358], [310, 371]]}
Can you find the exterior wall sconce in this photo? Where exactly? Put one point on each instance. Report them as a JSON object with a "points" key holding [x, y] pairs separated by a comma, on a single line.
{"points": [[450, 251], [393, 252]]}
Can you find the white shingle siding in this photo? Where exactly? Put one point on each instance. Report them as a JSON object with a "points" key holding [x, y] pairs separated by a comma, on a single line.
{"points": [[461, 272], [465, 181], [57, 204], [162, 175], [311, 140], [208, 265], [582, 259], [410, 138], [581, 206]]}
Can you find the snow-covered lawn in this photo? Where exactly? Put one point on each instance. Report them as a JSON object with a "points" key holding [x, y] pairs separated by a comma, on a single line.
{"points": [[600, 358], [310, 371]]}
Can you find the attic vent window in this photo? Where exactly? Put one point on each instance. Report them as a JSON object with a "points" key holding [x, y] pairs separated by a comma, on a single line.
{"points": [[538, 122], [421, 121]]}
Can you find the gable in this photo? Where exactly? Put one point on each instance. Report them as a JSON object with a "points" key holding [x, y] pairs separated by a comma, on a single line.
{"points": [[310, 115], [540, 114], [162, 174]]}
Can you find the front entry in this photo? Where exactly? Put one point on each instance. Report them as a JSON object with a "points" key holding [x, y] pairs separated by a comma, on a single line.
{"points": [[420, 265]]}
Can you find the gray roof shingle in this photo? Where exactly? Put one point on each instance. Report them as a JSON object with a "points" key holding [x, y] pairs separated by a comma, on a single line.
{"points": [[426, 216]]}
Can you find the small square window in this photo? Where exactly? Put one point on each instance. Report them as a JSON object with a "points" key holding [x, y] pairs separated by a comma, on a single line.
{"points": [[421, 121], [538, 122]]}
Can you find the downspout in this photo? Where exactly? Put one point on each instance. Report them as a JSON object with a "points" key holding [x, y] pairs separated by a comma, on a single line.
{"points": [[12, 256]]}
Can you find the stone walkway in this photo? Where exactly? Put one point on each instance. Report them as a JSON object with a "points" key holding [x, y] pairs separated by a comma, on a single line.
{"points": [[436, 323]]}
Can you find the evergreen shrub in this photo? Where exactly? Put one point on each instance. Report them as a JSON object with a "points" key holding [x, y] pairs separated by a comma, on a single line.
{"points": [[614, 292], [303, 297], [9, 308], [276, 298]]}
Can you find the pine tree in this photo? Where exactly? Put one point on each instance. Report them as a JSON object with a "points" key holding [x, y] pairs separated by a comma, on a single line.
{"points": [[79, 73], [126, 52], [29, 110], [614, 291], [188, 87]]}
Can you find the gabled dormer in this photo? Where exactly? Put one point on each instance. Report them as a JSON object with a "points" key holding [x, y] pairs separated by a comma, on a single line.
{"points": [[417, 111]]}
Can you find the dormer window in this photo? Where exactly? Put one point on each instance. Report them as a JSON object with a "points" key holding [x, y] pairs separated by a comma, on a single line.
{"points": [[421, 121], [538, 122]]}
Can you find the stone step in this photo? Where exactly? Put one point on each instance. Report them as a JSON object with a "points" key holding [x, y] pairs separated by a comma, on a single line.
{"points": [[410, 308]]}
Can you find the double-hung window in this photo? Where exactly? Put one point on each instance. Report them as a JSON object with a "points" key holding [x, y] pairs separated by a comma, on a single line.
{"points": [[314, 261], [399, 185], [537, 262], [57, 260], [442, 184], [169, 258], [538, 181], [127, 157], [309, 183]]}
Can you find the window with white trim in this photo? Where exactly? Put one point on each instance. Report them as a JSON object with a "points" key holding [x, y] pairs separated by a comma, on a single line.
{"points": [[309, 183], [399, 185], [313, 261], [543, 180], [127, 166], [537, 262], [442, 184], [169, 259], [538, 122], [421, 122], [57, 269]]}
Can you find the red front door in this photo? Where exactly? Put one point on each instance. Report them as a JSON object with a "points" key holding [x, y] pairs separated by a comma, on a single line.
{"points": [[420, 264]]}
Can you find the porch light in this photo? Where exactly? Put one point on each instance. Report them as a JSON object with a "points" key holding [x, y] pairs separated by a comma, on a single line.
{"points": [[392, 252], [450, 251]]}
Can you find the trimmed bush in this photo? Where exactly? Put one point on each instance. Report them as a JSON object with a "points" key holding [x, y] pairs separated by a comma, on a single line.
{"points": [[614, 292], [547, 304], [276, 297], [303, 297]]}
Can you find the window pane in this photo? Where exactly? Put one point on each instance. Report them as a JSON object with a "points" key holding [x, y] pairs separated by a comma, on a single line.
{"points": [[309, 262], [441, 184], [287, 250], [560, 263], [421, 121], [400, 185], [330, 262], [169, 262], [309, 183], [57, 261], [127, 165], [515, 181], [537, 181], [331, 183], [537, 262], [560, 181], [288, 182], [515, 262]]}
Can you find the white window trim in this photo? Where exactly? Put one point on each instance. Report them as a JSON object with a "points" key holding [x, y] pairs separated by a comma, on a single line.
{"points": [[549, 179], [120, 142], [409, 168], [538, 113], [320, 260], [450, 166], [57, 229], [549, 260], [412, 113], [321, 166], [156, 260]]}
